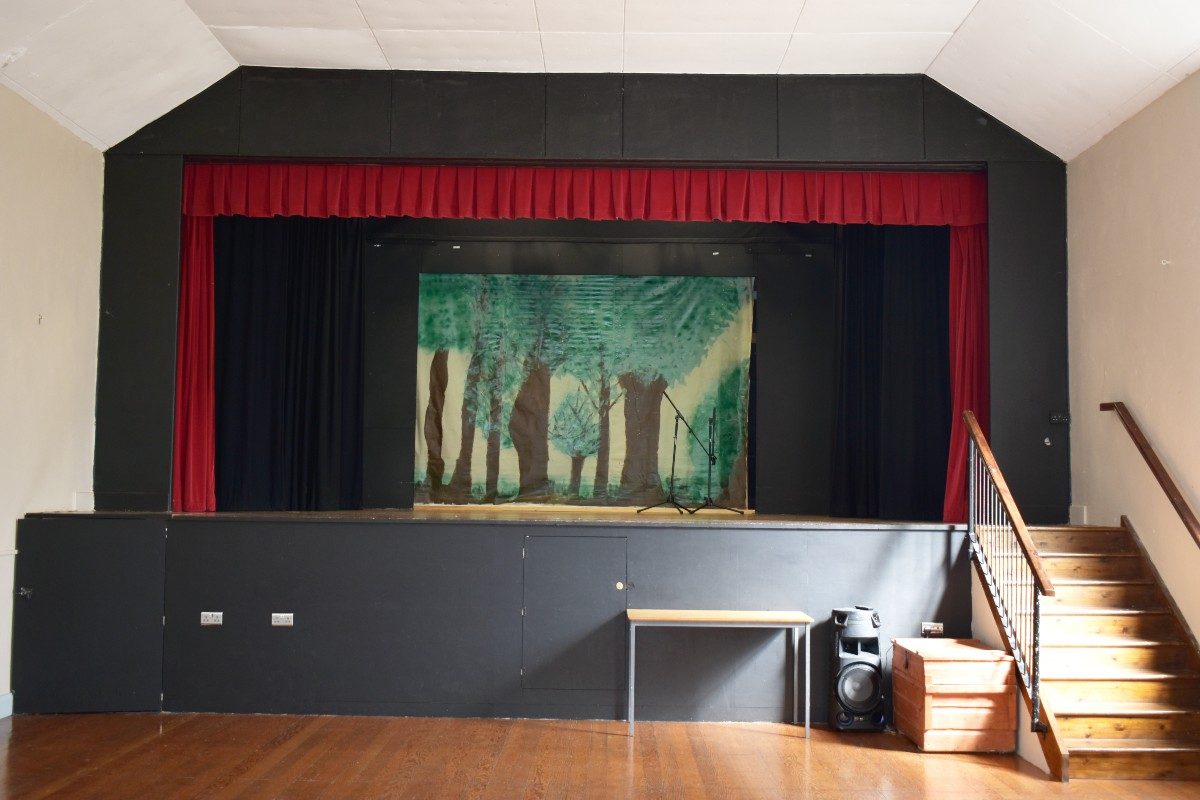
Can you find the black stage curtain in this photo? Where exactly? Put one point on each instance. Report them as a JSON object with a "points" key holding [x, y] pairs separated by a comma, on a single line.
{"points": [[289, 363], [893, 412]]}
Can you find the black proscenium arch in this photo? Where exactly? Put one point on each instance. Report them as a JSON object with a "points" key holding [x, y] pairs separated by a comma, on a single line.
{"points": [[870, 122]]}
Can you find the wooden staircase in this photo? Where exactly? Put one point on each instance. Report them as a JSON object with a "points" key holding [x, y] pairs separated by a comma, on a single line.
{"points": [[1120, 672]]}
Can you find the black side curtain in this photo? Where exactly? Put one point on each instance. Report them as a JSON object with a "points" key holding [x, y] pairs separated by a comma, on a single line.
{"points": [[893, 410], [289, 363]]}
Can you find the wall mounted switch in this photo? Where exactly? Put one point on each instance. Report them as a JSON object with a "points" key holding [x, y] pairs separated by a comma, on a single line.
{"points": [[281, 620], [212, 617]]}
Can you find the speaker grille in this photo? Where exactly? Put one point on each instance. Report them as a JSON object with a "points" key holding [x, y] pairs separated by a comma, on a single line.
{"points": [[859, 687]]}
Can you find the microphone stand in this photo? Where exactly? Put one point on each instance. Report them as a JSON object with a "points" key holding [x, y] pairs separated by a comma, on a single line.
{"points": [[671, 500], [709, 451]]}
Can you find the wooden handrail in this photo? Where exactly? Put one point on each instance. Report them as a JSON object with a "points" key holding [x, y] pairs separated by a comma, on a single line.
{"points": [[1158, 468], [1040, 577]]}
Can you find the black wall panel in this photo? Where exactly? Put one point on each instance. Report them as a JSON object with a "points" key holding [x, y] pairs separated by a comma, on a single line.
{"points": [[851, 118], [139, 293], [87, 616], [390, 293], [207, 125], [411, 617], [382, 622], [573, 629], [465, 115], [795, 382], [583, 116], [1027, 254], [315, 113], [701, 117], [955, 130]]}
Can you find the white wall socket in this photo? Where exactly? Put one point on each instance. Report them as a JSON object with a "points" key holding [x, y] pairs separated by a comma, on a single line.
{"points": [[212, 617], [281, 620]]}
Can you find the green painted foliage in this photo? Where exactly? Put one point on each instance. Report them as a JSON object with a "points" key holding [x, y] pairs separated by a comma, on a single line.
{"points": [[574, 428], [447, 311], [731, 400]]}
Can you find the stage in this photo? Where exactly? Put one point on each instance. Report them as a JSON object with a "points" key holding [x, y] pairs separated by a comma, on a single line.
{"points": [[454, 612]]}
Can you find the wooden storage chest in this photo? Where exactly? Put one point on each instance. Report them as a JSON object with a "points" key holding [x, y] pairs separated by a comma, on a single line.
{"points": [[954, 695]]}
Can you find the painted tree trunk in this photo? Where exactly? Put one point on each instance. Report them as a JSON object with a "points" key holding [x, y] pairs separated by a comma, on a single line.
{"points": [[459, 490], [529, 429], [603, 405], [576, 475], [735, 491], [640, 482], [435, 465], [495, 410]]}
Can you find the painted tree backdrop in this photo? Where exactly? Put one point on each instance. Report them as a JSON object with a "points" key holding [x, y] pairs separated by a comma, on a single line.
{"points": [[549, 389]]}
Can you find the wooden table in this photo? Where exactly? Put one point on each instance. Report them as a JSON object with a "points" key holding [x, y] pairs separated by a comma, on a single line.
{"points": [[717, 618]]}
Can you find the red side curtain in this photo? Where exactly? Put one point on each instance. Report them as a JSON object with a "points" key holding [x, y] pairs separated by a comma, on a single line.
{"points": [[968, 356], [194, 486], [602, 193]]}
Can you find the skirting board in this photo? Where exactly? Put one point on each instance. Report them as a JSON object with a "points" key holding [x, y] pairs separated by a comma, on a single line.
{"points": [[6, 705]]}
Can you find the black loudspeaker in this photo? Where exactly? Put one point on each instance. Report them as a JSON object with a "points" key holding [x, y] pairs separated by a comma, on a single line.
{"points": [[856, 692]]}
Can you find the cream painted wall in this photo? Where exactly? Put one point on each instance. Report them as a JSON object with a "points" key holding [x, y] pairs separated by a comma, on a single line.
{"points": [[1133, 233], [51, 186]]}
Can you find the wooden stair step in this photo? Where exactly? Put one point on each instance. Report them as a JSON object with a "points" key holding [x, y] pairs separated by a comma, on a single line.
{"points": [[1128, 720], [1101, 611], [1083, 528], [1124, 709], [1133, 759], [1082, 540], [1132, 746], [1093, 565], [1071, 621], [1141, 580], [1100, 640], [1120, 684], [1123, 651], [1133, 592], [1119, 673]]}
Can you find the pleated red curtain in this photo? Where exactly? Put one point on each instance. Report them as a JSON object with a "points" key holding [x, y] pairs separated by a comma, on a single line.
{"points": [[601, 193], [968, 355], [193, 482]]}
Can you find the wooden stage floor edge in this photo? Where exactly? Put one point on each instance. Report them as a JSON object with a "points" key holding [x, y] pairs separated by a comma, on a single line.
{"points": [[543, 514]]}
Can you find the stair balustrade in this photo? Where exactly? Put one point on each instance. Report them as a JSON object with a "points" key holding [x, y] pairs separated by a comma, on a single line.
{"points": [[1013, 572]]}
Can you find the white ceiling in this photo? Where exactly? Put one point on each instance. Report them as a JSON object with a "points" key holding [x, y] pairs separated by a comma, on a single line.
{"points": [[1062, 72]]}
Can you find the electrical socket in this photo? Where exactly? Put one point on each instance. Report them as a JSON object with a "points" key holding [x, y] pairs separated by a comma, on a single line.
{"points": [[212, 618], [281, 620], [931, 630]]}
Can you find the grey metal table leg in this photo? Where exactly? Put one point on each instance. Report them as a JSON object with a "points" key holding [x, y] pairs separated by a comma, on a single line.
{"points": [[807, 681], [795, 676], [632, 664]]}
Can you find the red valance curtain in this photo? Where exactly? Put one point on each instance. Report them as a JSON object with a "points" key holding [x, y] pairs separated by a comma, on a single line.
{"points": [[600, 193]]}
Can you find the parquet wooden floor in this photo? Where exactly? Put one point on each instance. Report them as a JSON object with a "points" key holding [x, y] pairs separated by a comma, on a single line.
{"points": [[134, 756]]}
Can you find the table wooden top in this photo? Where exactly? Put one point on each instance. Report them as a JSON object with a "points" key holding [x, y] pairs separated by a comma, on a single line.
{"points": [[692, 616]]}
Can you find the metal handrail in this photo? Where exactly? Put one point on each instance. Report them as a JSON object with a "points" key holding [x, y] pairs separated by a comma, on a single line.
{"points": [[1009, 561]]}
